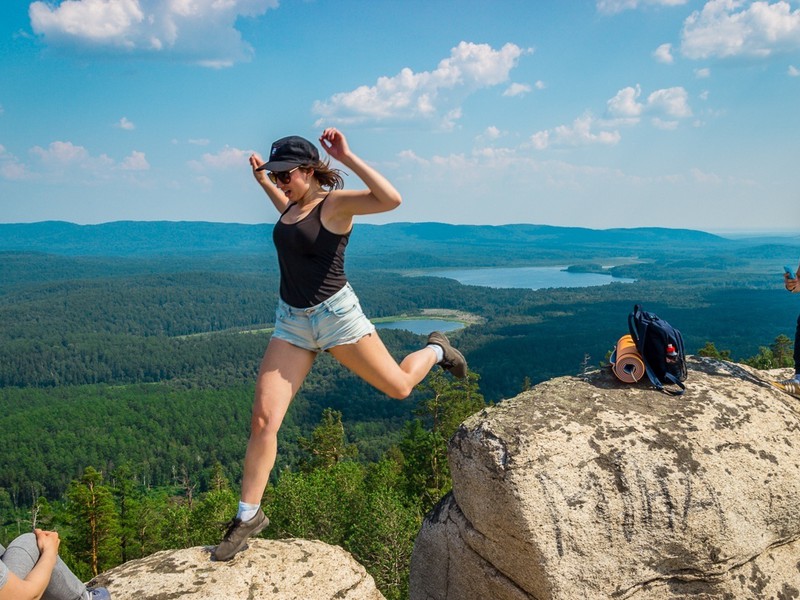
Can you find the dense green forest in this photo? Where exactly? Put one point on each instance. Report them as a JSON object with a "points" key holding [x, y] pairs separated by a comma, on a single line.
{"points": [[128, 354]]}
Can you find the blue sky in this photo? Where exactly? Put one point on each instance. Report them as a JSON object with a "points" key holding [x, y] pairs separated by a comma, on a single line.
{"points": [[603, 113]]}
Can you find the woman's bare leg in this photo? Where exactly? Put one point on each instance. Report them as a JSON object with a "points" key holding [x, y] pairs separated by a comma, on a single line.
{"points": [[369, 359], [283, 370]]}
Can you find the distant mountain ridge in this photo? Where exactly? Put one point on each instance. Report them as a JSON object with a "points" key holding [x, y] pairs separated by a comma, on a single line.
{"points": [[156, 237], [406, 243]]}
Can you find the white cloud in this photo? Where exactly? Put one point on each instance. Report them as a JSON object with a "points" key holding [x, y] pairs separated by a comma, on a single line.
{"points": [[703, 177], [540, 140], [92, 21], [517, 89], [704, 73], [666, 107], [227, 158], [672, 102], [617, 6], [624, 105], [450, 120], [125, 124], [65, 159], [580, 133], [663, 54], [430, 95], [61, 153], [759, 30], [793, 71], [10, 166], [136, 161], [413, 157], [492, 132], [198, 31]]}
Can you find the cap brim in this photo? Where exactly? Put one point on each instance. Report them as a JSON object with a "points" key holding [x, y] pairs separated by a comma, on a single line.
{"points": [[278, 166]]}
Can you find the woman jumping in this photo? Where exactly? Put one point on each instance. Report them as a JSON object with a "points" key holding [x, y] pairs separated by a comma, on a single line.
{"points": [[317, 309]]}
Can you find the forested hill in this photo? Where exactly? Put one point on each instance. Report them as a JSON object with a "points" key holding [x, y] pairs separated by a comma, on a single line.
{"points": [[411, 244], [129, 353]]}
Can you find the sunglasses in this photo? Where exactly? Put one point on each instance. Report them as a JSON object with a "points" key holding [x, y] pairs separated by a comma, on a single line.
{"points": [[283, 176]]}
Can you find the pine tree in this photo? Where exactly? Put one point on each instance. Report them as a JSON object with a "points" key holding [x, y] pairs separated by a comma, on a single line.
{"points": [[710, 351], [782, 351], [328, 443], [424, 443], [383, 539], [126, 495], [94, 538], [212, 509]]}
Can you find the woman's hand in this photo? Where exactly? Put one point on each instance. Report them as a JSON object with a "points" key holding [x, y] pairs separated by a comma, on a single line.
{"points": [[335, 144], [47, 541], [255, 163], [381, 196], [278, 198], [34, 584], [793, 285]]}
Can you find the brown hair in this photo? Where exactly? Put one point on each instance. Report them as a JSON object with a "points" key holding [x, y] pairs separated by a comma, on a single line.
{"points": [[326, 176]]}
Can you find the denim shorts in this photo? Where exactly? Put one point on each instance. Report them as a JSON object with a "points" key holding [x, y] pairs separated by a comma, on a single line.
{"points": [[336, 321]]}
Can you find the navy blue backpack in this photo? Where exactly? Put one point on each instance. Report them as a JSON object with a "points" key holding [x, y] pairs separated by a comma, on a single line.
{"points": [[661, 348]]}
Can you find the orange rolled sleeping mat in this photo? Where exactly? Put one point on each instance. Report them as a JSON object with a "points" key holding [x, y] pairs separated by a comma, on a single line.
{"points": [[626, 362]]}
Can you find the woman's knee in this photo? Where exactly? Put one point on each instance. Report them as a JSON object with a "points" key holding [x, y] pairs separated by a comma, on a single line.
{"points": [[22, 554], [27, 541], [262, 426], [398, 391], [264, 422]]}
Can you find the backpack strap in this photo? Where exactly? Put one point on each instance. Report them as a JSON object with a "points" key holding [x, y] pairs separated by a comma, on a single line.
{"points": [[634, 331], [660, 386], [675, 381]]}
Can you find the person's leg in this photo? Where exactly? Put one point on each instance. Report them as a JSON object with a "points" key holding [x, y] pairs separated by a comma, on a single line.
{"points": [[369, 359], [21, 556], [342, 328], [283, 370]]}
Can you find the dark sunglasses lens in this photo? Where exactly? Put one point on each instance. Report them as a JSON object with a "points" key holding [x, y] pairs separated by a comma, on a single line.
{"points": [[283, 176]]}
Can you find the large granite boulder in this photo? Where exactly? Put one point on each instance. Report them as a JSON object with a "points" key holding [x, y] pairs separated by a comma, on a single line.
{"points": [[291, 569], [586, 488]]}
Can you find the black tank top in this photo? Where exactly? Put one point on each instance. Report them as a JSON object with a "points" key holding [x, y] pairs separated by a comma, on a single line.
{"points": [[311, 259]]}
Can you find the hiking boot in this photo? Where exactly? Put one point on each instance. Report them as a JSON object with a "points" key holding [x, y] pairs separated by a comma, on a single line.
{"points": [[790, 386], [453, 360], [236, 537], [99, 594]]}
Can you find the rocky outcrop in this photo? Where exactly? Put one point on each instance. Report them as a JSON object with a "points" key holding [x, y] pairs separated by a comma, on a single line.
{"points": [[585, 488], [291, 569]]}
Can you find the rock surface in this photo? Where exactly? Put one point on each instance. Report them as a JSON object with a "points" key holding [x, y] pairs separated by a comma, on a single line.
{"points": [[291, 569], [584, 488]]}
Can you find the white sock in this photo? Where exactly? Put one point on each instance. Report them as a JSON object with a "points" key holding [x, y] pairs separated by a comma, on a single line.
{"points": [[439, 352], [247, 511]]}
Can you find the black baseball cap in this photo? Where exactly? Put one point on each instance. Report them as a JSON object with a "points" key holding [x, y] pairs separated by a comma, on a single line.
{"points": [[289, 152]]}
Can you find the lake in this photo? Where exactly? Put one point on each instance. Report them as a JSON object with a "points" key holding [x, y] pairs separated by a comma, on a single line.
{"points": [[421, 326], [532, 278]]}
